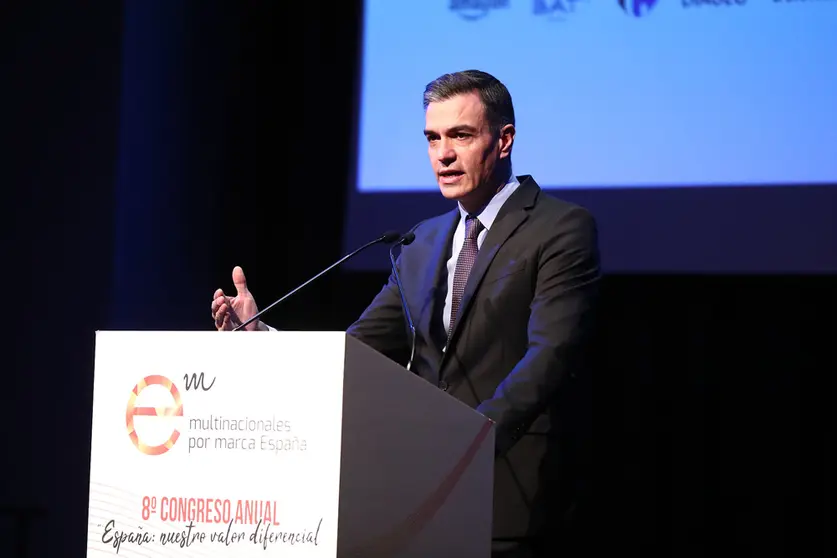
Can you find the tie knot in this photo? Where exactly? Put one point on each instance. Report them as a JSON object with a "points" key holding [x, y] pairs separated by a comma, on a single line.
{"points": [[473, 227]]}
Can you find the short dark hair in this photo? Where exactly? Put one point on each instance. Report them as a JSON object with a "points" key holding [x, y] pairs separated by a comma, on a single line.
{"points": [[497, 100]]}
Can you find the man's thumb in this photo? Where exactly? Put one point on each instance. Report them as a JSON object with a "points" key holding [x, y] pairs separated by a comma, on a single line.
{"points": [[239, 280]]}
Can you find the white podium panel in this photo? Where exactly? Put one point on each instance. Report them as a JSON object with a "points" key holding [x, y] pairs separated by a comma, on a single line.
{"points": [[207, 444]]}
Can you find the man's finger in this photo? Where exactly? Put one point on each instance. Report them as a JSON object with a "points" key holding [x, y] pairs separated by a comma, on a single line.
{"points": [[232, 315], [219, 304], [239, 280], [219, 300]]}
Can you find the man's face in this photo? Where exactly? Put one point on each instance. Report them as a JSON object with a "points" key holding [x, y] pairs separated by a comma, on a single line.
{"points": [[463, 151]]}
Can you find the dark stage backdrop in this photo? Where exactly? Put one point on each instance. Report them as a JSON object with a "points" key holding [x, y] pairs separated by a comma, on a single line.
{"points": [[151, 146]]}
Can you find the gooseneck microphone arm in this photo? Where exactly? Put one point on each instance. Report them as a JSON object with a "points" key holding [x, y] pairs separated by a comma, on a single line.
{"points": [[411, 329], [385, 238]]}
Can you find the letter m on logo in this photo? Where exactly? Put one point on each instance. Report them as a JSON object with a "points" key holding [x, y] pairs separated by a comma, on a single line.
{"points": [[197, 381]]}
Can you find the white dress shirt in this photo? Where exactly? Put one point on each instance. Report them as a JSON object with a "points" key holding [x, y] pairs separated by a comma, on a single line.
{"points": [[486, 217]]}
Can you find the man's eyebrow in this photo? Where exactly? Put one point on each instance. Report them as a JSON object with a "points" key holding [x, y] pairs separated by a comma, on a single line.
{"points": [[463, 128], [460, 128]]}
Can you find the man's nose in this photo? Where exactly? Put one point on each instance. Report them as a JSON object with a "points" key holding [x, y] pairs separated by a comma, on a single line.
{"points": [[445, 153]]}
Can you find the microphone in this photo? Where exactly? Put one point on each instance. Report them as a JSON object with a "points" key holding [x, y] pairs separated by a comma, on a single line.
{"points": [[411, 329], [386, 238]]}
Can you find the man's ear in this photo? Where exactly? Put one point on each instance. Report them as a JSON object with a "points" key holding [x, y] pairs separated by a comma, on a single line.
{"points": [[506, 140]]}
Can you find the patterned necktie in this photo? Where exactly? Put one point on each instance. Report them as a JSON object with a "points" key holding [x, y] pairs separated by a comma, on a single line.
{"points": [[467, 256]]}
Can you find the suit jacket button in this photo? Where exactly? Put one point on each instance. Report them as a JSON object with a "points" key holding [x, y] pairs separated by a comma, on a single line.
{"points": [[443, 385]]}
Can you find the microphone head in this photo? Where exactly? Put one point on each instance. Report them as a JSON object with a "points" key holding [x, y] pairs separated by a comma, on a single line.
{"points": [[390, 237], [408, 238]]}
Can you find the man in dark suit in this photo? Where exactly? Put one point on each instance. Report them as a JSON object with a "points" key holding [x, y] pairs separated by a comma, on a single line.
{"points": [[502, 290]]}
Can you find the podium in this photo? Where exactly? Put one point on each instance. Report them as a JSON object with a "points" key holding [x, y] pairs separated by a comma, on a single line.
{"points": [[309, 444]]}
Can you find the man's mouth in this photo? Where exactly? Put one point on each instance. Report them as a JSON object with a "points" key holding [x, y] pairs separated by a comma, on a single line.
{"points": [[450, 176]]}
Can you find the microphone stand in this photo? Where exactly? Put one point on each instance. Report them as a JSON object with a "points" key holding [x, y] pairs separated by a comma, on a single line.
{"points": [[386, 238], [411, 329]]}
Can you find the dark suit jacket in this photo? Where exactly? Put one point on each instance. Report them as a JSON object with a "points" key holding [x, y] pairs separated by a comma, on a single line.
{"points": [[519, 343]]}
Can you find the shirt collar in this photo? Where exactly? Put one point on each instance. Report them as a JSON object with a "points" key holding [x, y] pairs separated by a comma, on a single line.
{"points": [[488, 213]]}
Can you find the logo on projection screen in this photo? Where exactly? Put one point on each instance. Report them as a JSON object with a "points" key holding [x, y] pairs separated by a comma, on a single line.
{"points": [[554, 9], [640, 8], [637, 8], [473, 10]]}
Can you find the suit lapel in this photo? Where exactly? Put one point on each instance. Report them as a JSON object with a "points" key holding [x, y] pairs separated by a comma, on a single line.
{"points": [[513, 213], [433, 297]]}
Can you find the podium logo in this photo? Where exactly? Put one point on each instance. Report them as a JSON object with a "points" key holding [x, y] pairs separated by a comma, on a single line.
{"points": [[157, 405]]}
